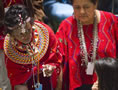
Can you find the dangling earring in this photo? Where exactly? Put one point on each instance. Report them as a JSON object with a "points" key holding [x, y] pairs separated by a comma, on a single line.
{"points": [[22, 24]]}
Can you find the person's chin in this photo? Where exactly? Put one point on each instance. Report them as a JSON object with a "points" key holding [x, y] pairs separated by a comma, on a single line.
{"points": [[83, 20], [26, 41]]}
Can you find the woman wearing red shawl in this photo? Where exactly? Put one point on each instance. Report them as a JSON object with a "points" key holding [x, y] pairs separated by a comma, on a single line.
{"points": [[30, 49], [86, 36]]}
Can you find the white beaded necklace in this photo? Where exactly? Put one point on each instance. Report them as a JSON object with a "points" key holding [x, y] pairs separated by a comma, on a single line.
{"points": [[83, 47]]}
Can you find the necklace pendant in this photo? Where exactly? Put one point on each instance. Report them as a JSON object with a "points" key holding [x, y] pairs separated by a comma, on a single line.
{"points": [[38, 86], [90, 68], [85, 55]]}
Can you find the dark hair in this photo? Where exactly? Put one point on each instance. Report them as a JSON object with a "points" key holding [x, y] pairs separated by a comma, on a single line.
{"points": [[93, 1], [107, 71], [12, 15], [1, 13]]}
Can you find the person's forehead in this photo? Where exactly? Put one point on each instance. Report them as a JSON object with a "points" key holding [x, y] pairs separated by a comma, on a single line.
{"points": [[76, 1], [81, 2]]}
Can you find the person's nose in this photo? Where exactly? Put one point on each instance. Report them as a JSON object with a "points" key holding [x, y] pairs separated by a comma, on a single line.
{"points": [[23, 32], [82, 10]]}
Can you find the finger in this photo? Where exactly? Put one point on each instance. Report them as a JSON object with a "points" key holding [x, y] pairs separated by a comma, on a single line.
{"points": [[53, 67], [44, 73], [44, 66], [94, 88]]}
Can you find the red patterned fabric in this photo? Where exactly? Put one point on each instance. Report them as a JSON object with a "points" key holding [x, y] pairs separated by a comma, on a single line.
{"points": [[69, 46], [21, 73]]}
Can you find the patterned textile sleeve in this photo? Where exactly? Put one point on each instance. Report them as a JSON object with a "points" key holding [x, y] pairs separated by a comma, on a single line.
{"points": [[62, 44], [60, 36], [63, 50]]}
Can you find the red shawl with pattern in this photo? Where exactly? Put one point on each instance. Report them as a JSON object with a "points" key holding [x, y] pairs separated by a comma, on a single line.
{"points": [[73, 73]]}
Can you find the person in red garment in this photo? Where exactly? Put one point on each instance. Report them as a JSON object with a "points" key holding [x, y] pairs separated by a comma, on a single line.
{"points": [[30, 50], [85, 37]]}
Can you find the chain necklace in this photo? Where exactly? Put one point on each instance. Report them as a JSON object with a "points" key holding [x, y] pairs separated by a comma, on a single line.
{"points": [[83, 47], [36, 85]]}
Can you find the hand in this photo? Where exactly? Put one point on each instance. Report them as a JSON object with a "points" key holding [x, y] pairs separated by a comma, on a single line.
{"points": [[48, 70], [95, 86]]}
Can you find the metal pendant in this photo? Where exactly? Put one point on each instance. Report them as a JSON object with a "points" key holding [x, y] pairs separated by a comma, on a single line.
{"points": [[38, 86]]}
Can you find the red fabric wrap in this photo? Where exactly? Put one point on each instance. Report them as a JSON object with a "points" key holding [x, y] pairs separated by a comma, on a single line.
{"points": [[19, 73], [73, 73]]}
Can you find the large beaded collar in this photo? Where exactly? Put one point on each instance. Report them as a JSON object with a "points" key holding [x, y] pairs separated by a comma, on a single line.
{"points": [[33, 52]]}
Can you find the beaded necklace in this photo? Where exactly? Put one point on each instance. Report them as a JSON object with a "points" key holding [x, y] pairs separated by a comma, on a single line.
{"points": [[83, 47], [15, 50], [34, 51]]}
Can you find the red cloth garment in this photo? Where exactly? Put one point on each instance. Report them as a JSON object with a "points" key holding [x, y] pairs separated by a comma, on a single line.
{"points": [[1, 37], [21, 73], [69, 46], [7, 3]]}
